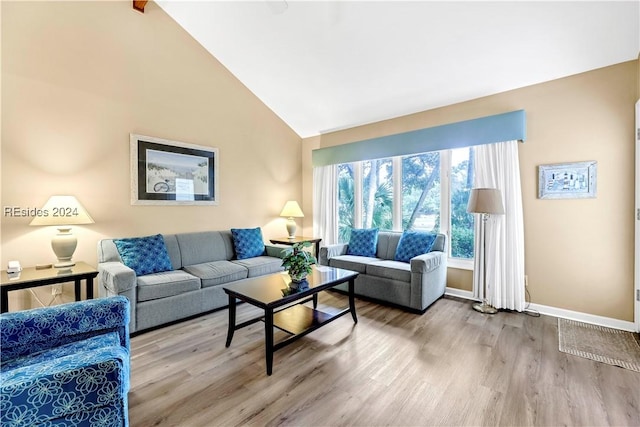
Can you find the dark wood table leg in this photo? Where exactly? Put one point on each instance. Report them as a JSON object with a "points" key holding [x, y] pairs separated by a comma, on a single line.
{"points": [[352, 300], [315, 300], [77, 290], [89, 287], [232, 320], [4, 301], [268, 339]]}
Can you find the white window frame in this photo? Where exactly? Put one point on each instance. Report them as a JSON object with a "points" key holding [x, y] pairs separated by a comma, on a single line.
{"points": [[357, 194], [397, 193], [445, 197]]}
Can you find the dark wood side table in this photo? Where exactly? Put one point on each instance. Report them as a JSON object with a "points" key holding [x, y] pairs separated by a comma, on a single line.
{"points": [[30, 277], [287, 241]]}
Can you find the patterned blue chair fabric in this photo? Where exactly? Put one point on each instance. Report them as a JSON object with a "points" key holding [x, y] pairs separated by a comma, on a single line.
{"points": [[66, 365]]}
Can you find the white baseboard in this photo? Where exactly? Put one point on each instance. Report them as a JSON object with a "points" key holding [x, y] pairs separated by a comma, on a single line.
{"points": [[607, 322], [459, 293]]}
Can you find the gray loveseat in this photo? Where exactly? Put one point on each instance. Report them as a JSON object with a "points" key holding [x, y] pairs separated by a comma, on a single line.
{"points": [[414, 285], [201, 261]]}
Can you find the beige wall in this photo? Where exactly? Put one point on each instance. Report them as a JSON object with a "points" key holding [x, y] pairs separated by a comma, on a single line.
{"points": [[579, 253], [78, 77]]}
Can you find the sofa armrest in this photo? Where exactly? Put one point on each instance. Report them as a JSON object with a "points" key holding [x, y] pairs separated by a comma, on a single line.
{"points": [[115, 277], [428, 262], [30, 331], [330, 251], [428, 279]]}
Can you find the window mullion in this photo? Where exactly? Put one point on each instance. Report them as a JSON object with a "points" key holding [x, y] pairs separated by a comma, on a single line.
{"points": [[445, 196], [357, 194], [397, 193]]}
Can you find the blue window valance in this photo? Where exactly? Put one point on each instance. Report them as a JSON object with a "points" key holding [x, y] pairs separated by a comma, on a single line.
{"points": [[485, 130]]}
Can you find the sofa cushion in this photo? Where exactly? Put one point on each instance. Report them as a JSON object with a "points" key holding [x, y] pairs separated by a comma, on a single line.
{"points": [[352, 262], [205, 246], [166, 284], [394, 270], [248, 242], [173, 249], [412, 244], [144, 255], [261, 265], [363, 242], [387, 244], [217, 272], [88, 344]]}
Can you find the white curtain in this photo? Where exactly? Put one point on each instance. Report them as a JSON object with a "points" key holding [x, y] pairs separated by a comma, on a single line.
{"points": [[325, 203], [497, 166]]}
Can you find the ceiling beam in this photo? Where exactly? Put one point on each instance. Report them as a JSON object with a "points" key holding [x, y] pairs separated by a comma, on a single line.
{"points": [[139, 5]]}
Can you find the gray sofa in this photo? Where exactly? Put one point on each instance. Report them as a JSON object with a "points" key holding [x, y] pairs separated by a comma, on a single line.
{"points": [[414, 285], [202, 262]]}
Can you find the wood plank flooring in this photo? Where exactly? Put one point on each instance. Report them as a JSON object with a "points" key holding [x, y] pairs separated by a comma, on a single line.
{"points": [[450, 366]]}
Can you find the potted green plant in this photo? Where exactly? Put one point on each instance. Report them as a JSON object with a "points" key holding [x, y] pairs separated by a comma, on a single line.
{"points": [[298, 262]]}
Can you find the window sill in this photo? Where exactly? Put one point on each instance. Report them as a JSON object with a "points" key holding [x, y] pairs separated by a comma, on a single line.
{"points": [[459, 263]]}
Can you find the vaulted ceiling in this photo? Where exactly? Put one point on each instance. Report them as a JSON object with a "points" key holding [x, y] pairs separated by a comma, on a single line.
{"points": [[323, 66]]}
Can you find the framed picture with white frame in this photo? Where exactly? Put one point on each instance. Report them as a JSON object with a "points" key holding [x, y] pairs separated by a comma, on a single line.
{"points": [[567, 180], [165, 172]]}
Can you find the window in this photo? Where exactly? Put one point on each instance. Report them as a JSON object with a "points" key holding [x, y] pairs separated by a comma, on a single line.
{"points": [[377, 194], [346, 201], [431, 194], [461, 182], [421, 192]]}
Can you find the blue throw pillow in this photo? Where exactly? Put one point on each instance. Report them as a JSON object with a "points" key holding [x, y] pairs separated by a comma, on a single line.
{"points": [[412, 244], [248, 242], [363, 242], [145, 255]]}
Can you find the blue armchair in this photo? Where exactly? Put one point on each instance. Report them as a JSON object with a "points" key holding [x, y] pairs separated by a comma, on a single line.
{"points": [[66, 365]]}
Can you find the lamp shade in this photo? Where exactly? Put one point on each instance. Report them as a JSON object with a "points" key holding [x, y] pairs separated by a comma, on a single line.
{"points": [[485, 200], [62, 210], [292, 209]]}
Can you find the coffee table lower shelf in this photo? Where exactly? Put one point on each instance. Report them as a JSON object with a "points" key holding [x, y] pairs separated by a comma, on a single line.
{"points": [[300, 318]]}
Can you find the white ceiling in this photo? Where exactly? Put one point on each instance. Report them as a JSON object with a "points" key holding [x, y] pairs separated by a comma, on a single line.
{"points": [[324, 66]]}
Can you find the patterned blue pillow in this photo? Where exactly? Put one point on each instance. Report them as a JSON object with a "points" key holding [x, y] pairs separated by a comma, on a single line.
{"points": [[145, 255], [363, 242], [248, 242], [412, 244]]}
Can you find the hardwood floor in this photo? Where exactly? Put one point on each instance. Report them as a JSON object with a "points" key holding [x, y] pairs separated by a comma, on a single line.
{"points": [[449, 366]]}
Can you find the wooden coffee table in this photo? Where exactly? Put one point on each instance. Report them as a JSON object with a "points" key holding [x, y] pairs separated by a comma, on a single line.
{"points": [[283, 307]]}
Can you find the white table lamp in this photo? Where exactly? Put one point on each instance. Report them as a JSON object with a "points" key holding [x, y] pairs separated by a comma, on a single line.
{"points": [[63, 211], [291, 210], [486, 202]]}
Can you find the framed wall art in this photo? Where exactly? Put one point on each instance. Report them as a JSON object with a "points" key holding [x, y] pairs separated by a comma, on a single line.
{"points": [[167, 172], [567, 180]]}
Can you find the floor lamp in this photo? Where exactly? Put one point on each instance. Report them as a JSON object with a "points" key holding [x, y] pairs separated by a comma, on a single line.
{"points": [[486, 202]]}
